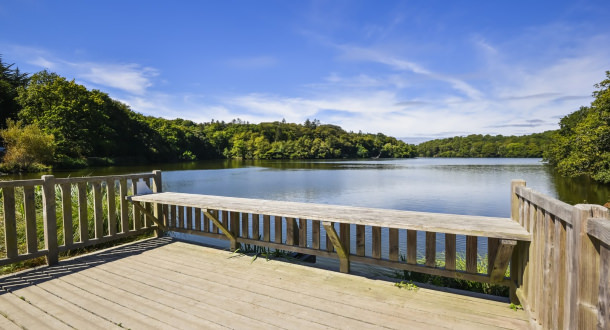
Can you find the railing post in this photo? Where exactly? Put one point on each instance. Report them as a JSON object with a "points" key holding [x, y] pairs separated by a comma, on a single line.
{"points": [[49, 219], [157, 187], [521, 249]]}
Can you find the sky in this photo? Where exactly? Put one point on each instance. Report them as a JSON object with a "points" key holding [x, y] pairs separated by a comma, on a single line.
{"points": [[410, 69]]}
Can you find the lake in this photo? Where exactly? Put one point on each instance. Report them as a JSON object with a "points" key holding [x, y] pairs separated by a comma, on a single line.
{"points": [[472, 186]]}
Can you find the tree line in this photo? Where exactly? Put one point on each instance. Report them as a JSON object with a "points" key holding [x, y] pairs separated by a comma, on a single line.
{"points": [[488, 146], [84, 127]]}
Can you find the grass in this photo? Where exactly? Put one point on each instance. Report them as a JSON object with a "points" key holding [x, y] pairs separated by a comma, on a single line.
{"points": [[493, 289]]}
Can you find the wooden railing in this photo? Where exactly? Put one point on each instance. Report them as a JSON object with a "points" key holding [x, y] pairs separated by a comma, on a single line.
{"points": [[564, 278], [46, 216], [328, 230]]}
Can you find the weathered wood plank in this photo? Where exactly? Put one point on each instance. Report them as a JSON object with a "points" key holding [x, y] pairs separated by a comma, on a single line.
{"points": [[189, 218], [174, 216], [277, 237], [471, 254], [600, 229], [266, 227], [228, 233], [137, 222], [315, 234], [450, 247], [342, 250], [290, 223], [412, 247], [558, 208], [360, 240], [303, 232], [603, 305], [256, 231], [503, 253], [180, 220], [197, 218], [29, 205], [492, 249], [10, 223], [344, 236], [393, 244], [83, 217], [234, 226], [111, 202], [446, 223], [430, 249], [66, 212], [124, 206], [49, 218], [376, 242]]}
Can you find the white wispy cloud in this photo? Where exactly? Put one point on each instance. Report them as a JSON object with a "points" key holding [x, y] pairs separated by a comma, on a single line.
{"points": [[131, 78]]}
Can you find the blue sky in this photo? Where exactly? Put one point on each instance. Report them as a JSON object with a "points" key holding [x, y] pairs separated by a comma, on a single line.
{"points": [[405, 68]]}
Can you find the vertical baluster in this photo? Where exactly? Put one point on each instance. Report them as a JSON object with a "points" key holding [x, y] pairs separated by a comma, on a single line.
{"points": [[206, 223], [29, 204], [430, 249], [147, 220], [315, 234], [124, 206], [234, 226], [256, 233], [471, 254], [173, 210], [110, 194], [412, 247], [290, 224], [83, 217], [492, 250], [450, 245], [66, 211], [137, 224], [189, 218], [98, 210], [266, 227], [360, 240], [344, 236], [393, 244], [180, 219], [10, 223], [376, 242], [329, 244], [303, 232], [197, 219], [165, 210], [225, 220], [278, 229]]}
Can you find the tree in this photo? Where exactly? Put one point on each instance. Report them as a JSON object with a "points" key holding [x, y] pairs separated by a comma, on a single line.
{"points": [[582, 144], [26, 146], [10, 80]]}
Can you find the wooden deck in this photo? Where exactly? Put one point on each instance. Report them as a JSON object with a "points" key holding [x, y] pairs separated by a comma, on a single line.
{"points": [[164, 283]]}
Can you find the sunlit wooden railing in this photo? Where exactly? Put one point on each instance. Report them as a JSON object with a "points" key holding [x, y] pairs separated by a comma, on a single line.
{"points": [[564, 280], [43, 217]]}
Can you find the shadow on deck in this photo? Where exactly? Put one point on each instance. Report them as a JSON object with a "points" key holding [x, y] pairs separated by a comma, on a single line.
{"points": [[166, 283]]}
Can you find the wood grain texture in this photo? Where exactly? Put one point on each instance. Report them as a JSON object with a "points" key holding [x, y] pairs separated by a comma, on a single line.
{"points": [[376, 242], [450, 257], [66, 211], [412, 247], [83, 221], [315, 234], [360, 240], [430, 249], [393, 244], [503, 253], [10, 223], [111, 207], [124, 206], [446, 223], [29, 205], [49, 219], [471, 254]]}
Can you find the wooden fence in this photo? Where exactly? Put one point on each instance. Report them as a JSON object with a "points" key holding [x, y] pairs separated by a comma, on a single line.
{"points": [[564, 272], [46, 216]]}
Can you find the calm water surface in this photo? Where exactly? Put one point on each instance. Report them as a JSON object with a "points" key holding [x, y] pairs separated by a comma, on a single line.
{"points": [[476, 186]]}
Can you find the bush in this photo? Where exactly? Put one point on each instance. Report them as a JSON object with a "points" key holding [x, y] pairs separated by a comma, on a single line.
{"points": [[28, 148]]}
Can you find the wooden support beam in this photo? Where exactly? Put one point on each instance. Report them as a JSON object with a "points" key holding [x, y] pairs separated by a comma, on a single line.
{"points": [[223, 229], [339, 248], [149, 214], [503, 256]]}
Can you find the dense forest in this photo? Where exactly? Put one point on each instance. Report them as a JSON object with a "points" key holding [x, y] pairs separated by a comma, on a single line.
{"points": [[81, 127], [532, 145], [581, 146]]}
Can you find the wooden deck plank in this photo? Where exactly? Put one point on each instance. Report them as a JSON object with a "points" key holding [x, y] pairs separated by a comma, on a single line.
{"points": [[26, 315], [503, 228], [165, 283], [466, 305]]}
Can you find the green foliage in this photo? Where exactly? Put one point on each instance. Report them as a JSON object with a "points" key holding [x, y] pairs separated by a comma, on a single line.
{"points": [[515, 307], [90, 127], [10, 80], [479, 146], [406, 285], [582, 144], [27, 147]]}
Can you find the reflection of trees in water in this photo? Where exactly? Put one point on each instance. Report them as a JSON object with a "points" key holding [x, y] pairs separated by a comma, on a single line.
{"points": [[580, 190]]}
